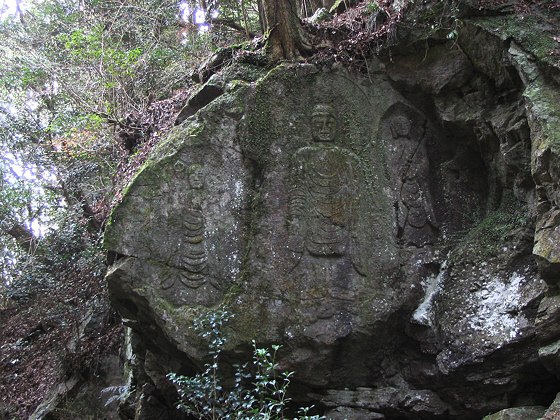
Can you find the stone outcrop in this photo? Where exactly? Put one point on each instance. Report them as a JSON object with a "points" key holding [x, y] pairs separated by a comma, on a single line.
{"points": [[396, 232]]}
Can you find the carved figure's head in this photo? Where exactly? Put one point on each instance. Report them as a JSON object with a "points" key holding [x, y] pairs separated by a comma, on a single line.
{"points": [[400, 126], [196, 176], [323, 123]]}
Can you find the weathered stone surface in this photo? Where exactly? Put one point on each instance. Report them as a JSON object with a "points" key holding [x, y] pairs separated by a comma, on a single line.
{"points": [[553, 412], [382, 229], [309, 202], [217, 84], [547, 322], [343, 413], [550, 356], [54, 398], [439, 69], [518, 413], [542, 99], [547, 239], [392, 400]]}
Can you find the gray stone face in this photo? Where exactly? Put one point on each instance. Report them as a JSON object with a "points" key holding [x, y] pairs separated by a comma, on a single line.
{"points": [[172, 233], [380, 228], [323, 265]]}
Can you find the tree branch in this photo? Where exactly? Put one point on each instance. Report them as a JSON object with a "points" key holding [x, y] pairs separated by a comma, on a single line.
{"points": [[224, 22], [24, 237]]}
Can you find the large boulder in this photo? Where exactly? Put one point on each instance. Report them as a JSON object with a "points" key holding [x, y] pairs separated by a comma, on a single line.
{"points": [[381, 228]]}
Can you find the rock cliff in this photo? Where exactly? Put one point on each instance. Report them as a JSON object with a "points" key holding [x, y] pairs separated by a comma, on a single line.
{"points": [[397, 232]]}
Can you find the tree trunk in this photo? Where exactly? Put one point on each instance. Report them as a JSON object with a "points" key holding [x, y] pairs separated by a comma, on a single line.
{"points": [[24, 237], [308, 7], [286, 38], [262, 18]]}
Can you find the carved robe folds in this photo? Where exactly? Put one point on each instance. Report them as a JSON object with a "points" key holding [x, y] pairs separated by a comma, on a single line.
{"points": [[324, 202]]}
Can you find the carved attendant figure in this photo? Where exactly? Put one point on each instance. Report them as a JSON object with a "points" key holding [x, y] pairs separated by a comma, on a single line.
{"points": [[415, 217], [325, 194]]}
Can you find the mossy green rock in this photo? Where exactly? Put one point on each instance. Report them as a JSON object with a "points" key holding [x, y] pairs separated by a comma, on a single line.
{"points": [[228, 241]]}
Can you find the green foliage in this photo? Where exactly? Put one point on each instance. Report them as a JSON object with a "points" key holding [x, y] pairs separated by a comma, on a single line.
{"points": [[487, 238], [335, 6], [493, 230], [372, 6], [442, 15], [63, 252], [108, 57], [258, 392], [120, 393], [86, 45], [66, 69]]}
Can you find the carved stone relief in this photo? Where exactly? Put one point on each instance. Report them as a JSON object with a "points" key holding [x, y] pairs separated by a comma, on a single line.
{"points": [[410, 166], [194, 260], [324, 201], [188, 224]]}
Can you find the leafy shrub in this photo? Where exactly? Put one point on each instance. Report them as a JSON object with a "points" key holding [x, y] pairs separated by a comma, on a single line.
{"points": [[259, 391]]}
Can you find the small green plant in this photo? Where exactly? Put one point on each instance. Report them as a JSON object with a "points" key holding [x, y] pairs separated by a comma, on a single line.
{"points": [[336, 4], [120, 393], [372, 7], [443, 16], [258, 391]]}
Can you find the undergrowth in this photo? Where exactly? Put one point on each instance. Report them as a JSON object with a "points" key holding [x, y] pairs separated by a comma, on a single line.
{"points": [[259, 390]]}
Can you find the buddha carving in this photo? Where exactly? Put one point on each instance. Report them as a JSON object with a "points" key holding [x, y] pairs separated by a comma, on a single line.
{"points": [[190, 256], [325, 193], [193, 259]]}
